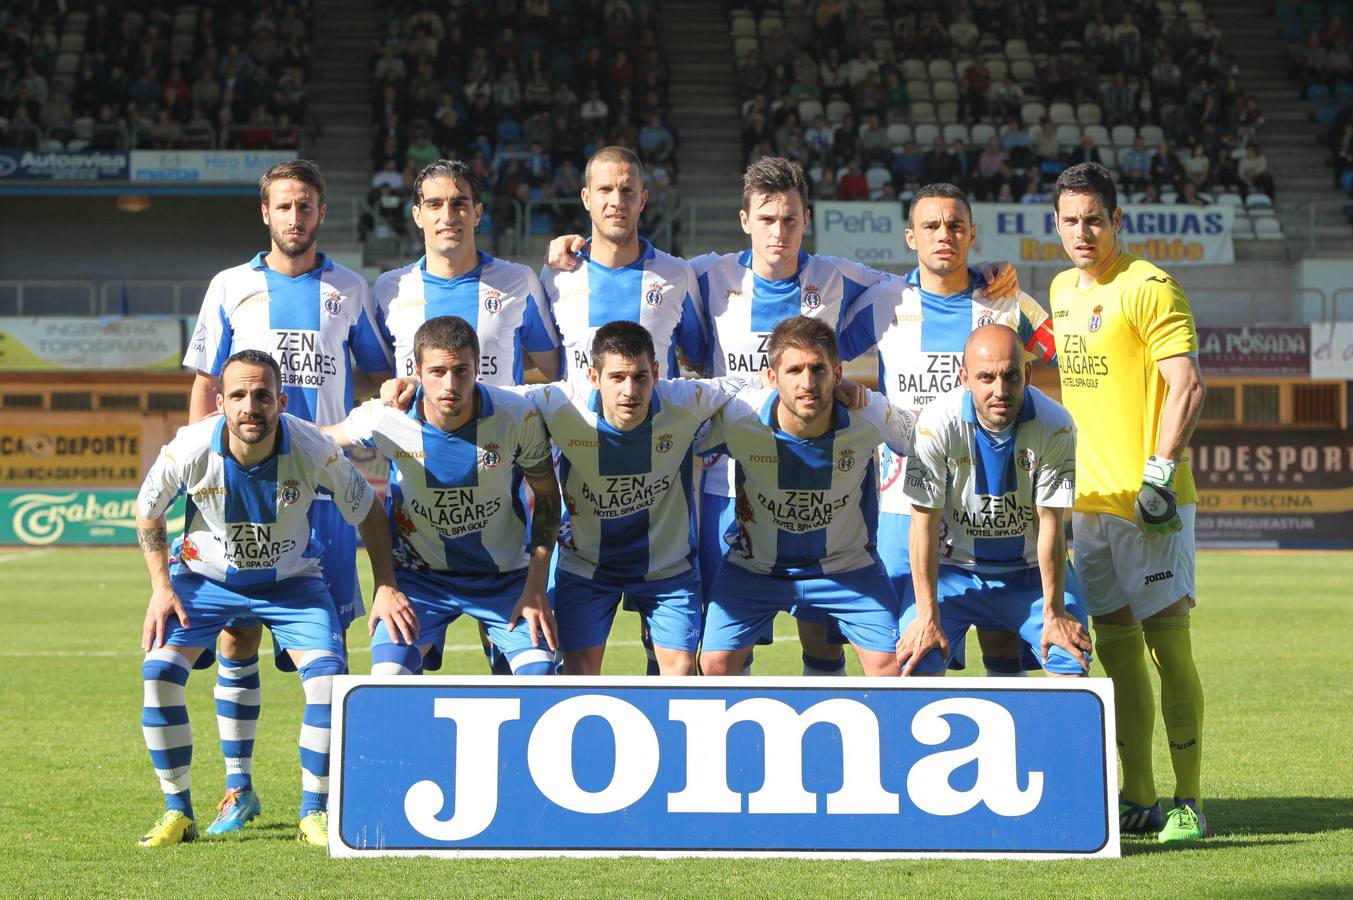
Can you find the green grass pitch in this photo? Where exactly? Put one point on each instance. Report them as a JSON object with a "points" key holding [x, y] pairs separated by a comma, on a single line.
{"points": [[1270, 636]]}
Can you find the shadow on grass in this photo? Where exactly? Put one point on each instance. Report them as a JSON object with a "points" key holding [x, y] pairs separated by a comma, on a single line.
{"points": [[1279, 815]]}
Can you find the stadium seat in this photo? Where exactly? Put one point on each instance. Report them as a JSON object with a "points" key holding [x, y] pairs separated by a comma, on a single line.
{"points": [[1230, 198], [962, 66], [1089, 114], [1194, 11], [913, 68], [926, 132], [1099, 134], [1258, 200], [919, 90], [1268, 228], [944, 90], [981, 133], [1123, 135], [742, 25], [1062, 114], [1319, 93], [923, 111], [877, 176], [744, 47], [809, 110], [1108, 158], [940, 68], [814, 174], [1016, 49], [946, 111], [837, 110], [1068, 135], [71, 42], [1242, 230], [1023, 71], [882, 47], [899, 133], [956, 131], [769, 24], [1152, 134], [1032, 113], [1136, 196], [1169, 197]]}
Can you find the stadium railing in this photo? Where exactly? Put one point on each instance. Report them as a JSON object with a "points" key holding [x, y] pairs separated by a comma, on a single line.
{"points": [[46, 297]]}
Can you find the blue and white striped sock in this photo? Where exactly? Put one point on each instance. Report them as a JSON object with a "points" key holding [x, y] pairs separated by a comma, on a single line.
{"points": [[164, 722], [317, 670], [396, 659], [237, 704], [815, 666]]}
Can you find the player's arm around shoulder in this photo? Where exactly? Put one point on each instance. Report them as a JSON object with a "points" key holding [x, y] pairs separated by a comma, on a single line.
{"points": [[897, 426]]}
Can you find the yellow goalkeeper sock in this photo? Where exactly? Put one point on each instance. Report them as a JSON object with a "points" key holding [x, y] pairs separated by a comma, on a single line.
{"points": [[1122, 652], [1181, 700]]}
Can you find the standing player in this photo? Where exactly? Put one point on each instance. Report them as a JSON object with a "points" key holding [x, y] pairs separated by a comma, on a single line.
{"points": [[458, 459], [627, 471], [920, 324], [993, 470], [311, 315], [1128, 355], [503, 301], [247, 550], [805, 506]]}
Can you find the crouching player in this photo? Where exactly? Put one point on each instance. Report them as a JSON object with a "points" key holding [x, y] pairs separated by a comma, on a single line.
{"points": [[457, 461], [993, 470], [805, 512], [250, 476]]}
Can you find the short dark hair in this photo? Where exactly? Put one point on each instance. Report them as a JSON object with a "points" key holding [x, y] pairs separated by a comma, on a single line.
{"points": [[772, 175], [613, 154], [802, 333], [305, 171], [254, 358], [456, 171], [623, 338], [944, 190], [1087, 178], [449, 333]]}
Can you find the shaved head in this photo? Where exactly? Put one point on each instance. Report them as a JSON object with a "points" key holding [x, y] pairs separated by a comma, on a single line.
{"points": [[992, 341], [995, 373]]}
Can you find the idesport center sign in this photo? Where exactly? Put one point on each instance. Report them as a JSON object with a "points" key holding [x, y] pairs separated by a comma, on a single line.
{"points": [[878, 767]]}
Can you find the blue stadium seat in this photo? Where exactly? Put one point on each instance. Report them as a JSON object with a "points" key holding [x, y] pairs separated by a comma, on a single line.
{"points": [[509, 131], [541, 223], [1287, 12], [1346, 181], [1325, 115], [1319, 93]]}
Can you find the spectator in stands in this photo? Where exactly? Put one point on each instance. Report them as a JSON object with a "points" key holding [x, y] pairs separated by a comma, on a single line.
{"points": [[1033, 188], [938, 164], [825, 186], [1197, 168], [21, 132], [934, 36], [1166, 169], [656, 140], [845, 140], [594, 112], [907, 164], [422, 152], [896, 97], [1017, 142], [389, 176], [1007, 97], [1083, 152], [1343, 157], [874, 143], [853, 184], [829, 22], [963, 34], [832, 74], [1253, 172], [989, 165], [1333, 31], [819, 139], [1189, 196], [1134, 165], [1339, 63], [1047, 151], [975, 102], [1098, 33], [1120, 100], [1151, 194], [807, 78]]}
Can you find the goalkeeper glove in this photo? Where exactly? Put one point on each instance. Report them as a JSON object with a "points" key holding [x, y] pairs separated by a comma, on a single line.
{"points": [[1156, 509]]}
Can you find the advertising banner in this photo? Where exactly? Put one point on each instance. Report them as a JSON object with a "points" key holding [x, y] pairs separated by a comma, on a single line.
{"points": [[1255, 349], [1332, 350], [41, 518], [870, 233], [858, 767], [84, 165], [208, 166], [1170, 236], [70, 454], [1274, 488], [80, 344]]}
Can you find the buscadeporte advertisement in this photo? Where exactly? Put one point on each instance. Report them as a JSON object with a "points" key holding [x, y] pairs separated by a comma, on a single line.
{"points": [[40, 518], [65, 455], [1274, 488], [870, 767], [79, 344]]}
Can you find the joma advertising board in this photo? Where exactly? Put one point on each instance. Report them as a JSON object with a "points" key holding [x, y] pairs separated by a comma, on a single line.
{"points": [[470, 766]]}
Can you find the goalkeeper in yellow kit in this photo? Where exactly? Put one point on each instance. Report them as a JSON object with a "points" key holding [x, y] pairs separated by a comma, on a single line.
{"points": [[1127, 351]]}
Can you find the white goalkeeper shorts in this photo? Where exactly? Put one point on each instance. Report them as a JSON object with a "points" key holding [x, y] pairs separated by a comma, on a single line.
{"points": [[1119, 565]]}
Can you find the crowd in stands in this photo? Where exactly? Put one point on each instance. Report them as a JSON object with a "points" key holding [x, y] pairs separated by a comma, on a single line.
{"points": [[139, 74], [524, 92], [1319, 58], [880, 96]]}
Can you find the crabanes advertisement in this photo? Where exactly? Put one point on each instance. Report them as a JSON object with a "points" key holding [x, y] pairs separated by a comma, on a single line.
{"points": [[40, 518], [1255, 349], [722, 767], [1283, 488]]}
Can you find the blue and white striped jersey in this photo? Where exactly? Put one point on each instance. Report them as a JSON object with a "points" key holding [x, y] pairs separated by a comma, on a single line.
{"points": [[920, 338], [988, 484], [657, 290], [501, 300], [742, 308], [805, 506], [246, 526], [454, 499], [309, 324], [629, 513]]}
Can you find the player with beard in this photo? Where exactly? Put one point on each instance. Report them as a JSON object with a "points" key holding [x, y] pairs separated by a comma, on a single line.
{"points": [[312, 316]]}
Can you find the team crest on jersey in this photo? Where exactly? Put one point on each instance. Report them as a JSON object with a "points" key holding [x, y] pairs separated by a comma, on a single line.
{"points": [[288, 492], [985, 319], [1025, 459], [493, 301], [653, 296], [664, 443], [333, 302], [491, 456], [1096, 319], [188, 552], [812, 297], [846, 461]]}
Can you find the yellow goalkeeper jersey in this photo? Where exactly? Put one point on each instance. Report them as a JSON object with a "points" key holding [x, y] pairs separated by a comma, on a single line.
{"points": [[1109, 338]]}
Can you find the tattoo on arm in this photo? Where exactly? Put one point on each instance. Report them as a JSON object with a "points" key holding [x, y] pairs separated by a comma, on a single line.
{"points": [[542, 471], [545, 521], [152, 539]]}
